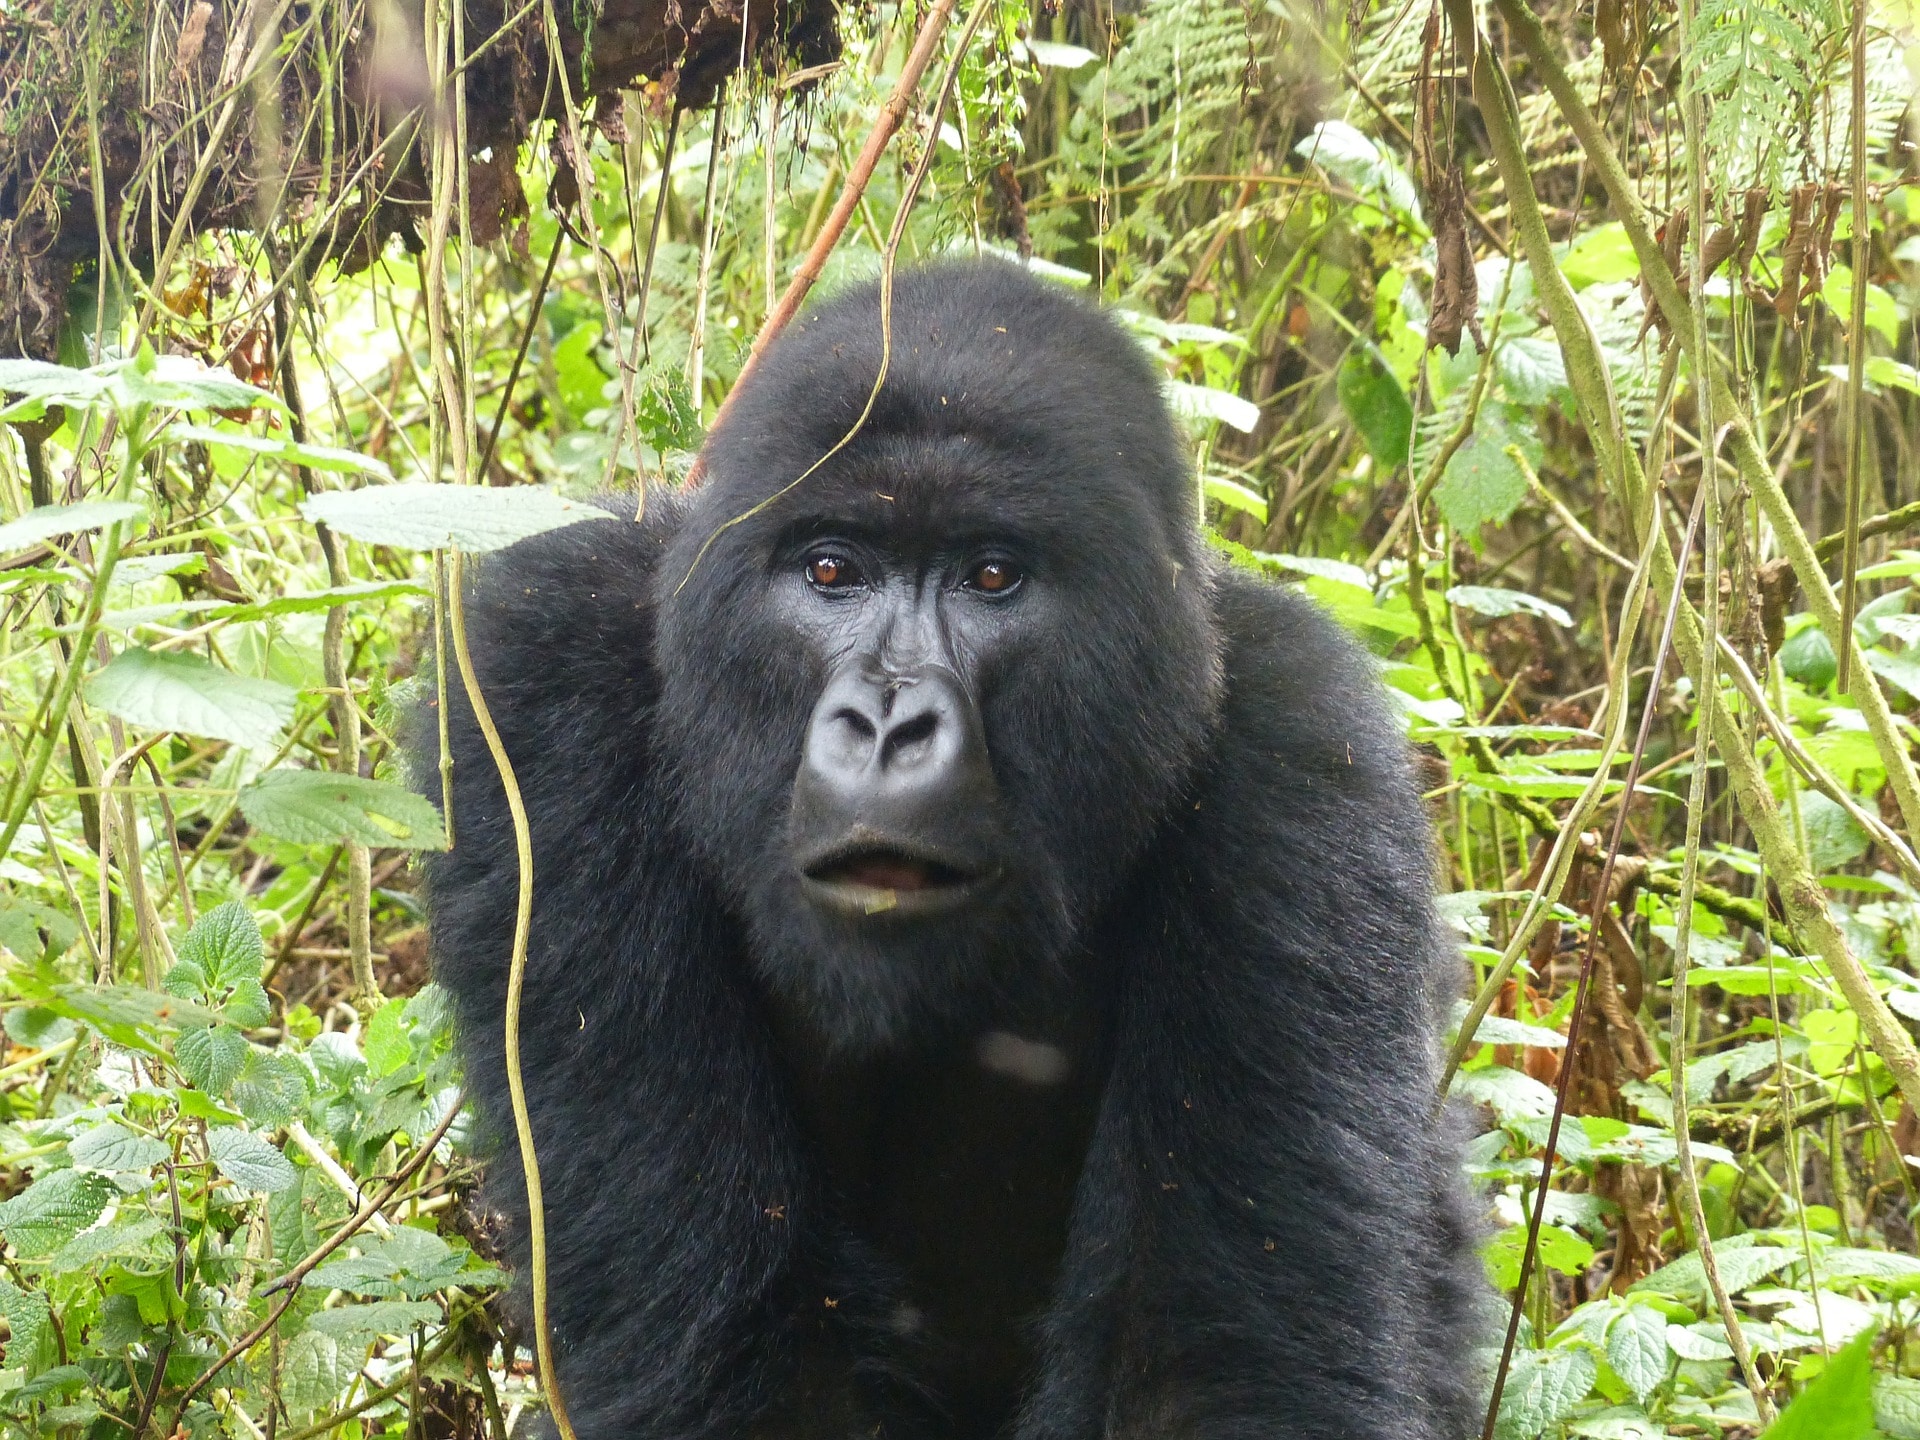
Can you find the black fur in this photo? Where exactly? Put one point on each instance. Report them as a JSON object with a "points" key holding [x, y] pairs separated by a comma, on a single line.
{"points": [[785, 1195]]}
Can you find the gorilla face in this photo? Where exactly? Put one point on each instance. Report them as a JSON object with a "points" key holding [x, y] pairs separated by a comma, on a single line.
{"points": [[966, 663]]}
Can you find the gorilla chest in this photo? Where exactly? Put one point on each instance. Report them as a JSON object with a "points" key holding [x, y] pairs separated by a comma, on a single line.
{"points": [[957, 1167]]}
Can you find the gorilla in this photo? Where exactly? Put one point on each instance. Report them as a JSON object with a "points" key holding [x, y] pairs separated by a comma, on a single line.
{"points": [[983, 975]]}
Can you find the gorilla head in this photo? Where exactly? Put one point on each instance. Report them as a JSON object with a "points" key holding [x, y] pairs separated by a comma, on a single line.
{"points": [[964, 663]]}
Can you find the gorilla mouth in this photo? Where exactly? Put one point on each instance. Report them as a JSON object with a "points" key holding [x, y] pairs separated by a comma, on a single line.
{"points": [[877, 879]]}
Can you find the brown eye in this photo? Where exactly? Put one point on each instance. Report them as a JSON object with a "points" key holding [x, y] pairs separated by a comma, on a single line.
{"points": [[994, 577], [831, 572]]}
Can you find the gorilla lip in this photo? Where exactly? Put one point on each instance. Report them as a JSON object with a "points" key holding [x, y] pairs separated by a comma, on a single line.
{"points": [[877, 879]]}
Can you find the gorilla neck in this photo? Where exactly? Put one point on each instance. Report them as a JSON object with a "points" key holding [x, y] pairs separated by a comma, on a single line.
{"points": [[955, 1159]]}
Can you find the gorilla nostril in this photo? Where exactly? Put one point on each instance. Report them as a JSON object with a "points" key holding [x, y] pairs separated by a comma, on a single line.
{"points": [[906, 740], [858, 723]]}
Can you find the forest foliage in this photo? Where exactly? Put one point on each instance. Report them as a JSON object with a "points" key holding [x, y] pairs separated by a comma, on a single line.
{"points": [[1455, 358]]}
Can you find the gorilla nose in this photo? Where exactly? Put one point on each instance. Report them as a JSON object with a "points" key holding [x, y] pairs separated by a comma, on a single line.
{"points": [[890, 733], [894, 782]]}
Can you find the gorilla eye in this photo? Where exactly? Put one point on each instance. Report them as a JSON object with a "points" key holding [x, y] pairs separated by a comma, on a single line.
{"points": [[832, 572], [994, 577]]}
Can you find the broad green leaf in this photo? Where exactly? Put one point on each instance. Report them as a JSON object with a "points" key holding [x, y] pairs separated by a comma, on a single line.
{"points": [[1235, 496], [271, 1089], [1637, 1349], [131, 1237], [1833, 836], [1617, 1422], [1491, 600], [225, 945], [1808, 658], [1740, 1267], [385, 1040], [52, 1210], [128, 1015], [48, 521], [1883, 315], [1054, 55], [26, 1311], [1896, 1406], [1204, 404], [35, 1027], [1903, 669], [248, 1161], [161, 690], [1542, 1386], [248, 1004], [1838, 1405], [311, 807], [287, 451], [1603, 254], [354, 1327], [110, 1147], [1531, 368], [1374, 399], [1482, 484], [212, 1058], [433, 517], [1321, 567], [1500, 1030], [311, 1372], [1849, 1262], [322, 599]]}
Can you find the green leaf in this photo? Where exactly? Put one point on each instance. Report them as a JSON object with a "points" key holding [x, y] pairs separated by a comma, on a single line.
{"points": [[311, 1372], [1896, 1406], [1491, 600], [1883, 315], [1203, 405], [354, 1327], [386, 1042], [1740, 1267], [1601, 255], [1482, 484], [250, 1162], [47, 521], [161, 690], [225, 944], [432, 517], [320, 599], [1053, 54], [248, 1005], [1637, 1349], [1838, 1405], [110, 1147], [26, 1311], [1808, 658], [1235, 496], [130, 1236], [35, 1027], [1903, 669], [1833, 836], [1373, 397], [271, 1089], [1531, 368], [1542, 1387], [287, 451], [211, 1058], [52, 1210], [311, 807]]}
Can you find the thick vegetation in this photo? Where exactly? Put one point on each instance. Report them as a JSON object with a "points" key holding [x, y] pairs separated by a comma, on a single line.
{"points": [[1462, 322]]}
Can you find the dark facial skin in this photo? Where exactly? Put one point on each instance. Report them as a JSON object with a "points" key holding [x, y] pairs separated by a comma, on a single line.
{"points": [[897, 818]]}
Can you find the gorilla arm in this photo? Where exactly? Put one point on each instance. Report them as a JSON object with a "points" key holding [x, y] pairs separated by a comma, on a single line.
{"points": [[1268, 1240], [675, 1199]]}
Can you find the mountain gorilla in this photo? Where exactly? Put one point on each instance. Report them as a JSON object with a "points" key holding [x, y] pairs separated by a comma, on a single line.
{"points": [[983, 978]]}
